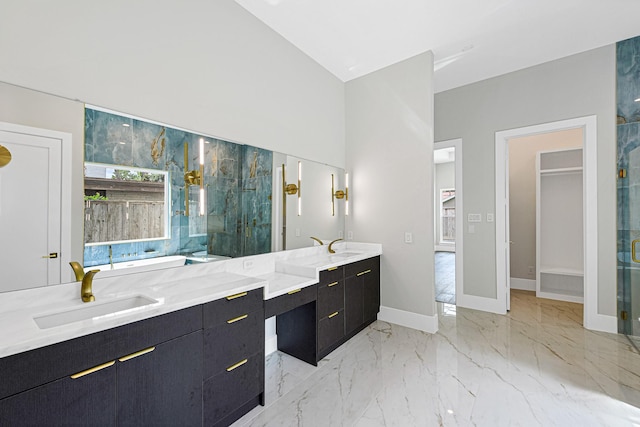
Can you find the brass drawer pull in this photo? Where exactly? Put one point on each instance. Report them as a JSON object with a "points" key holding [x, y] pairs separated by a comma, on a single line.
{"points": [[241, 294], [294, 291], [237, 365], [333, 315], [136, 354], [92, 370], [332, 268], [236, 319], [363, 272], [332, 284]]}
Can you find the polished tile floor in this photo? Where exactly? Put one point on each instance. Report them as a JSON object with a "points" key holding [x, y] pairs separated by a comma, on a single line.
{"points": [[445, 272], [535, 366]]}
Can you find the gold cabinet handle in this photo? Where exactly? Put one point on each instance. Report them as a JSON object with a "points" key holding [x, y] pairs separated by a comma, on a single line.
{"points": [[240, 295], [363, 272], [633, 250], [333, 315], [92, 370], [236, 319], [52, 255], [237, 365], [332, 268], [332, 284], [136, 354], [294, 291]]}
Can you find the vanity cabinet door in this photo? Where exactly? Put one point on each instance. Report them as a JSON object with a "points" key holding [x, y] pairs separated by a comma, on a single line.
{"points": [[371, 290], [354, 303], [162, 385], [90, 399]]}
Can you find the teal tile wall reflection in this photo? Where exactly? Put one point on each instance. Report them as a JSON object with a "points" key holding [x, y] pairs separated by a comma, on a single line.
{"points": [[237, 179]]}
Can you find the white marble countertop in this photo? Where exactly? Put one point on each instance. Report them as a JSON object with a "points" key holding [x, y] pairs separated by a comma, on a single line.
{"points": [[173, 289]]}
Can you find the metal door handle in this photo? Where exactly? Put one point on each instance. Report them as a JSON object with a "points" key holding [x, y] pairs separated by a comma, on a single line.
{"points": [[51, 255], [633, 250]]}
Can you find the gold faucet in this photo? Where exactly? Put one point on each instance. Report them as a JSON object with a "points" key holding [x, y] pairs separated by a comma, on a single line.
{"points": [[77, 269], [317, 240], [331, 251], [86, 292]]}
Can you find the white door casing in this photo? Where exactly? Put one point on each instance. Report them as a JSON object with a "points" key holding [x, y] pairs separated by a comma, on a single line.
{"points": [[34, 207]]}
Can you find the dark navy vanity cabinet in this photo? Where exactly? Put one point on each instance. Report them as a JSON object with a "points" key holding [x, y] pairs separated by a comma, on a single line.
{"points": [[202, 365]]}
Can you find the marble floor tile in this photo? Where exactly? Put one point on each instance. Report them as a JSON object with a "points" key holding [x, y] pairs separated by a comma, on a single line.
{"points": [[536, 366]]}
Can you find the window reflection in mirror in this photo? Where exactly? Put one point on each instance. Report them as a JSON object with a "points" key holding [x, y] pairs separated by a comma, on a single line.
{"points": [[124, 204]]}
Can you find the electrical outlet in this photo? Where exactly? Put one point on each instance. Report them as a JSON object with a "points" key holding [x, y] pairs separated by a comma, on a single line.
{"points": [[489, 217], [340, 234], [532, 269], [349, 235], [247, 264], [297, 232], [472, 229]]}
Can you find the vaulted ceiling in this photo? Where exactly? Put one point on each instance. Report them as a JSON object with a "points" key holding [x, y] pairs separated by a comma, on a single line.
{"points": [[472, 40]]}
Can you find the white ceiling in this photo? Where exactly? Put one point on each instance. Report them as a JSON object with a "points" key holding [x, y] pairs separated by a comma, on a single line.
{"points": [[472, 40]]}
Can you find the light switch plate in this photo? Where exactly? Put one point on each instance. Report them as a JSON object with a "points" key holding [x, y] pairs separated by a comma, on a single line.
{"points": [[489, 217], [350, 235], [297, 232], [340, 234], [408, 237], [474, 217]]}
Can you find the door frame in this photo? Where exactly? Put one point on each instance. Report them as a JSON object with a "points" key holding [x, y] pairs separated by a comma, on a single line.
{"points": [[459, 253], [66, 207], [588, 124]]}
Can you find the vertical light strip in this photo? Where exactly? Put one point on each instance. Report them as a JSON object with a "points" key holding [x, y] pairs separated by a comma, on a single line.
{"points": [[299, 188], [346, 190], [333, 192], [202, 201]]}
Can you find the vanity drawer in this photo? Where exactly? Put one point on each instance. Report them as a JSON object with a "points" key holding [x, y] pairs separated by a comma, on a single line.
{"points": [[363, 266], [232, 306], [232, 340], [330, 329], [235, 386], [332, 274], [293, 299], [330, 298]]}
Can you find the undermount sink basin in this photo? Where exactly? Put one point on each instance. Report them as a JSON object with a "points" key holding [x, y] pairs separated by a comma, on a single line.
{"points": [[92, 311], [344, 254]]}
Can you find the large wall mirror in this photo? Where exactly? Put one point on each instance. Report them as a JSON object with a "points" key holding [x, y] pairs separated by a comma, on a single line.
{"points": [[219, 199]]}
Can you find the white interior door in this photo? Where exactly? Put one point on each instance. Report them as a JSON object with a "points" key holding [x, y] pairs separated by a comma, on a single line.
{"points": [[30, 206]]}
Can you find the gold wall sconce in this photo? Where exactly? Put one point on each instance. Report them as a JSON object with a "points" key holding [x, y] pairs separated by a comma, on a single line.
{"points": [[194, 177], [292, 189], [5, 156], [339, 194]]}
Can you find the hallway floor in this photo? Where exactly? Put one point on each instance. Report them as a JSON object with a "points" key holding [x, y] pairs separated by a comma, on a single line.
{"points": [[445, 271], [535, 366]]}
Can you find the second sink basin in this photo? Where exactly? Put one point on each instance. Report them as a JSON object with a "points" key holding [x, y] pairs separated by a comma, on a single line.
{"points": [[92, 311]]}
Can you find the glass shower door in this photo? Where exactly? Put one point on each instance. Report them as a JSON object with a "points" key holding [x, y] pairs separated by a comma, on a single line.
{"points": [[629, 236]]}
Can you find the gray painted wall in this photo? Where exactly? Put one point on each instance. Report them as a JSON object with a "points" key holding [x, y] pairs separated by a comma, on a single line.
{"points": [[212, 68], [575, 86], [390, 159]]}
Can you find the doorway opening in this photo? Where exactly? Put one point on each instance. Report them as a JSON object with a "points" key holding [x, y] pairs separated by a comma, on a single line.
{"points": [[592, 319], [448, 207]]}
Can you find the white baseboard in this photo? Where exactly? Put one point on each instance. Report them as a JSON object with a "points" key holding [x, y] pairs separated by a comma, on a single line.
{"points": [[408, 319], [270, 345], [602, 323], [523, 284], [492, 305]]}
